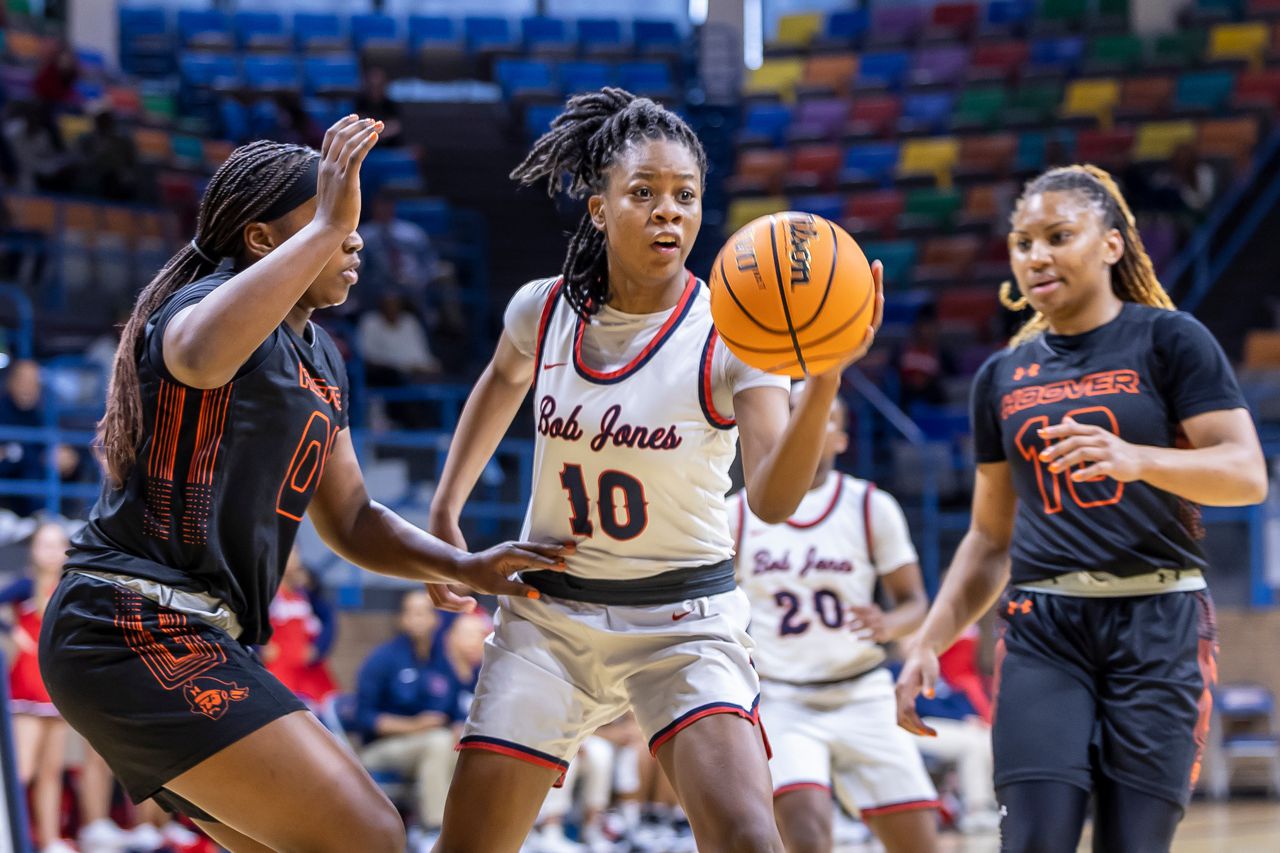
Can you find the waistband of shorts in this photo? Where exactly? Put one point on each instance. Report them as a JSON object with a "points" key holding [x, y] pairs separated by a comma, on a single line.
{"points": [[1106, 585], [829, 682], [201, 605], [665, 588]]}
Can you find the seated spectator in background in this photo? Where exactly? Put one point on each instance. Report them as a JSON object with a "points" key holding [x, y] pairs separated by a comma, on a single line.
{"points": [[40, 159], [294, 124], [55, 82], [21, 405], [923, 363], [406, 706], [463, 652], [39, 732], [300, 641], [107, 161], [372, 102], [1187, 183], [398, 255], [394, 347]]}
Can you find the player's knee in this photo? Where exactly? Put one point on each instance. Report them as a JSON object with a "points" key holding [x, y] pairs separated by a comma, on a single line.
{"points": [[382, 831], [755, 835]]}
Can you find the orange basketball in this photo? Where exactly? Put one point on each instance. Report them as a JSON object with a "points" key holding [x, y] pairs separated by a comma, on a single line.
{"points": [[792, 293]]}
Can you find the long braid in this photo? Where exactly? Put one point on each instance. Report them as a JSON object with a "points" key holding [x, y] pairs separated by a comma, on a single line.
{"points": [[582, 143], [1133, 278], [251, 179]]}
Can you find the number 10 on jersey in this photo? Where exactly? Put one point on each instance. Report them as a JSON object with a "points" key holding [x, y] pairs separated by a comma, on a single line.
{"points": [[620, 502]]}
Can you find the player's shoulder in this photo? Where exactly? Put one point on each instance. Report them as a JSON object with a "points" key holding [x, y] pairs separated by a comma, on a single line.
{"points": [[193, 292], [538, 288]]}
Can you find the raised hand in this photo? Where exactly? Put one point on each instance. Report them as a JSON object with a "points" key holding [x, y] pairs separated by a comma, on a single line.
{"points": [[338, 182]]}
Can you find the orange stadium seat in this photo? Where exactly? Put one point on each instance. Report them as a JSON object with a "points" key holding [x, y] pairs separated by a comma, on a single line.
{"points": [[81, 218], [1145, 97], [986, 157], [1230, 139], [33, 213], [830, 73], [154, 146], [1262, 348], [216, 151], [759, 170], [948, 259]]}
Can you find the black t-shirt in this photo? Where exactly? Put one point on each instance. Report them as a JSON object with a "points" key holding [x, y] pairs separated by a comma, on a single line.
{"points": [[1139, 376], [224, 475]]}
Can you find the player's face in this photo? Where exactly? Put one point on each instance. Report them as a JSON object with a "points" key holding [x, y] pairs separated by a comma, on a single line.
{"points": [[1061, 253], [651, 210], [339, 274]]}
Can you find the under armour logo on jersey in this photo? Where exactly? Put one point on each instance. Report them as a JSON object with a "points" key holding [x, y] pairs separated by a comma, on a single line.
{"points": [[1024, 372], [1023, 607]]}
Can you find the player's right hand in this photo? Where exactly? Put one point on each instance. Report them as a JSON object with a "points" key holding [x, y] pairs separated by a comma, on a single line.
{"points": [[919, 675], [877, 317], [488, 571], [338, 181]]}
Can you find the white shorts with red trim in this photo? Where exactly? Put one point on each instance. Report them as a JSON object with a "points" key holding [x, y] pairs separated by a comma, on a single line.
{"points": [[845, 737], [554, 671]]}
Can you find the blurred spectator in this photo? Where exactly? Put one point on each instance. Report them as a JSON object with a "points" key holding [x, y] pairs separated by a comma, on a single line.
{"points": [[300, 640], [1188, 183], [39, 732], [107, 160], [294, 124], [40, 160], [398, 255], [406, 705], [463, 652], [55, 82], [373, 102], [923, 364], [21, 405], [394, 347]]}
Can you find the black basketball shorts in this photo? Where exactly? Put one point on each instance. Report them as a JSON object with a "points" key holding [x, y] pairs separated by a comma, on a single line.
{"points": [[154, 691], [1112, 686]]}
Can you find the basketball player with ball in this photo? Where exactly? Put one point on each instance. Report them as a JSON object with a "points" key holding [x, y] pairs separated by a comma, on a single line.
{"points": [[638, 406]]}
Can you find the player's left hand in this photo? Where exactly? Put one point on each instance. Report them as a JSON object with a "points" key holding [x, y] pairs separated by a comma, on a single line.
{"points": [[868, 622], [1092, 451]]}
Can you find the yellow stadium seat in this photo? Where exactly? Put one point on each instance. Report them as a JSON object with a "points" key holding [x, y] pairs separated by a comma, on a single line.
{"points": [[72, 127], [798, 29], [1157, 140], [930, 156], [1095, 98], [1248, 41], [775, 77], [743, 210]]}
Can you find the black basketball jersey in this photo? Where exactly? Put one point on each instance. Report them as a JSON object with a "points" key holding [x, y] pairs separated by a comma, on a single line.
{"points": [[1139, 376], [224, 475]]}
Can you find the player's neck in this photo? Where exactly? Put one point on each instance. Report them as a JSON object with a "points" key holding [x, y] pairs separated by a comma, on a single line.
{"points": [[632, 296], [297, 318], [1097, 312], [820, 479]]}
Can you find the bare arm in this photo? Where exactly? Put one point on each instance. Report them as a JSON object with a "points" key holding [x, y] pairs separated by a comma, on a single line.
{"points": [[905, 588], [1223, 467], [780, 454], [368, 534], [978, 573], [206, 344]]}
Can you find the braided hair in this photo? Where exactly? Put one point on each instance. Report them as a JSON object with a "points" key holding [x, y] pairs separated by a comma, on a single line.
{"points": [[583, 142], [245, 186], [1133, 278]]}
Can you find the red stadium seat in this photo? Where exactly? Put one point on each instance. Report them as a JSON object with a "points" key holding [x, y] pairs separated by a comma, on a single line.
{"points": [[873, 213], [814, 167], [1106, 148], [998, 60], [873, 115]]}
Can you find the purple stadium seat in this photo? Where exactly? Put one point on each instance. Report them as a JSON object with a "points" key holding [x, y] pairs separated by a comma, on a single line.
{"points": [[897, 25], [936, 66], [818, 119]]}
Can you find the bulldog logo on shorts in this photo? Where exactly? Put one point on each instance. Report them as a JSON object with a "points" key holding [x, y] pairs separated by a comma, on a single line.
{"points": [[212, 696]]}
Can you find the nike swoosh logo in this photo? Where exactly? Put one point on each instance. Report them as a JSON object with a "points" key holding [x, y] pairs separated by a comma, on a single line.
{"points": [[676, 617], [546, 366]]}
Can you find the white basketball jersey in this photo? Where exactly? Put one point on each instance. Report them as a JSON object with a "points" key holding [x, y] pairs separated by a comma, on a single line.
{"points": [[632, 463], [804, 574]]}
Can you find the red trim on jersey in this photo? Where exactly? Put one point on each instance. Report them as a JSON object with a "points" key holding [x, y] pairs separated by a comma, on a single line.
{"points": [[835, 499], [894, 808], [515, 750], [866, 523], [210, 425], [543, 320], [683, 722], [800, 786], [677, 313], [164, 436], [708, 400]]}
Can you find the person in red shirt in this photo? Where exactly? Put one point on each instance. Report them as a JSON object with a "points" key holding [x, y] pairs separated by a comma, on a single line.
{"points": [[293, 655], [39, 732]]}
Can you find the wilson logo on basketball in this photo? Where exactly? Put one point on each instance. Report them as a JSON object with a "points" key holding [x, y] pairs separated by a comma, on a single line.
{"points": [[212, 696], [801, 231], [744, 256]]}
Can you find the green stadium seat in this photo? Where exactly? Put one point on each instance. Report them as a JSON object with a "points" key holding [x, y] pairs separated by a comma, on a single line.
{"points": [[930, 209], [1175, 51], [1062, 14], [898, 257], [1113, 53], [1033, 104], [979, 107]]}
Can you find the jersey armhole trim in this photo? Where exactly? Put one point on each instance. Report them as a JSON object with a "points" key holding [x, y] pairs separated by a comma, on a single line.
{"points": [[543, 322], [866, 524], [705, 392]]}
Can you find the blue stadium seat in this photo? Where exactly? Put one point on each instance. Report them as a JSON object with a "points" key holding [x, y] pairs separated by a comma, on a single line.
{"points": [[871, 162], [926, 112], [487, 32], [260, 30], [209, 70], [390, 168], [547, 35], [142, 21], [766, 122], [430, 214], [1057, 54], [828, 206], [883, 70], [339, 73], [264, 118], [326, 111], [657, 37], [271, 73], [652, 79], [1203, 91], [206, 28], [146, 44], [538, 118], [524, 76], [585, 76], [1007, 15], [234, 118], [848, 27], [433, 30], [372, 27], [316, 29], [601, 37]]}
